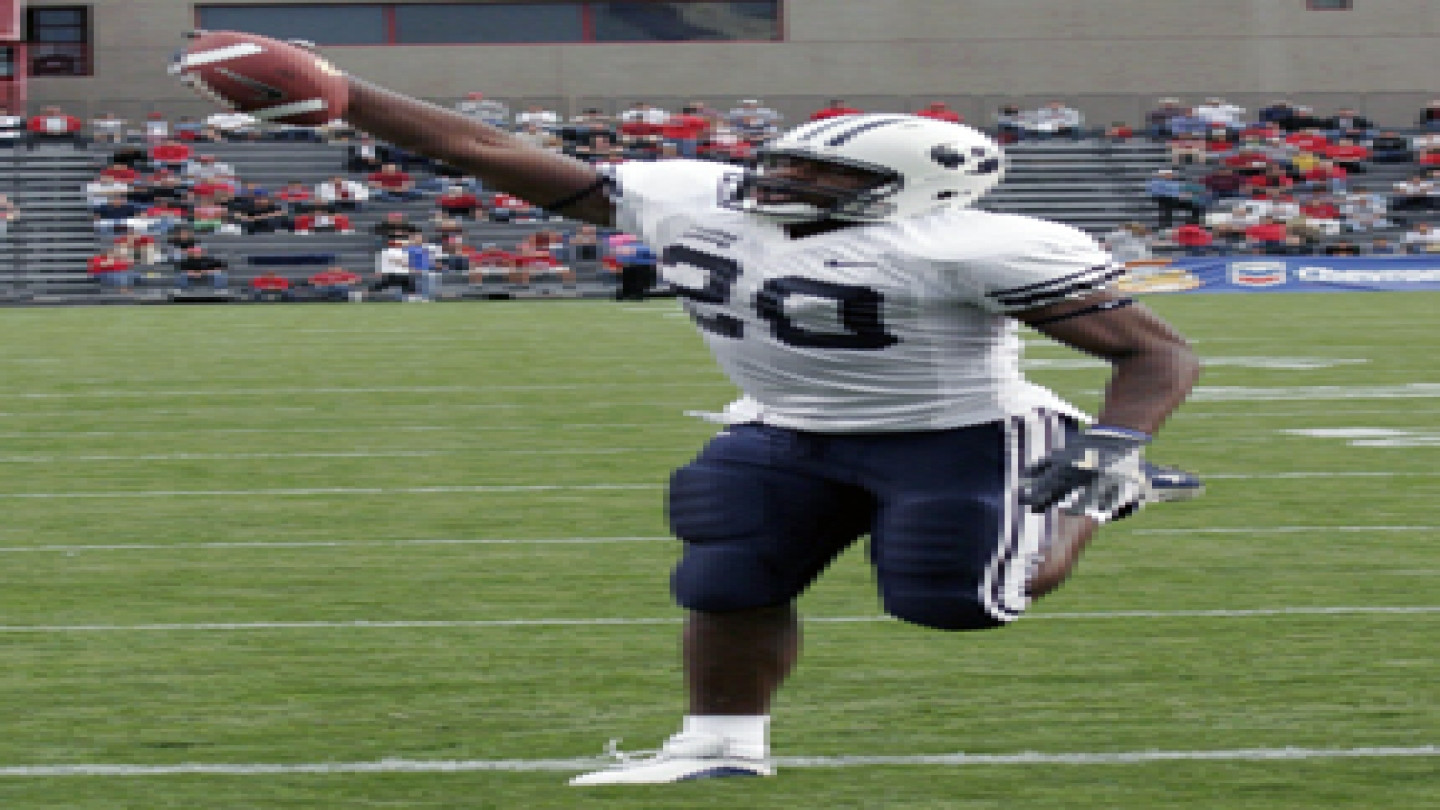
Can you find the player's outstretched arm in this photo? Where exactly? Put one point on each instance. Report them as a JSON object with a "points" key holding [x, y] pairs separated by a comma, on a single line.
{"points": [[502, 161]]}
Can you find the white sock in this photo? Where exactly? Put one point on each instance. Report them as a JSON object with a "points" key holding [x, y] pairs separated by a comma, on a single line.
{"points": [[748, 735]]}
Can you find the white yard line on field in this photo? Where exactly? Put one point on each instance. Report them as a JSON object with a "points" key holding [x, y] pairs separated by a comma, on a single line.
{"points": [[263, 545], [477, 451], [1287, 529], [1201, 394], [400, 428], [505, 488], [365, 624], [1193, 412], [116, 393], [50, 459], [397, 765], [283, 544], [324, 491]]}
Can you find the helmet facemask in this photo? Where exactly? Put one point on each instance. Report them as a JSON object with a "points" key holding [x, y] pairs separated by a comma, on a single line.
{"points": [[767, 191]]}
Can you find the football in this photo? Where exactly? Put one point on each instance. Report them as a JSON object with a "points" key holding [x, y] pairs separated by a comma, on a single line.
{"points": [[267, 78]]}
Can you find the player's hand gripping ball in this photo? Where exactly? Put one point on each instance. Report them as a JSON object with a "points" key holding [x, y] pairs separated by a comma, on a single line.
{"points": [[267, 78]]}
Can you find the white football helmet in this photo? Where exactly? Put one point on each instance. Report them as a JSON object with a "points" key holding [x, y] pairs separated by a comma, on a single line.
{"points": [[920, 165]]}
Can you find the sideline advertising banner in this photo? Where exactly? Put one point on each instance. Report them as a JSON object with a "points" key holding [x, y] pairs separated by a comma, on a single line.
{"points": [[1233, 274]]}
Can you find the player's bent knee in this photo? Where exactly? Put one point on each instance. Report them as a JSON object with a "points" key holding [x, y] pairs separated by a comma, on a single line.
{"points": [[717, 512], [941, 611], [721, 578]]}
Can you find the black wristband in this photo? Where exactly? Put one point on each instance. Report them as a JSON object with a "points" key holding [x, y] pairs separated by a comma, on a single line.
{"points": [[1103, 306], [577, 196]]}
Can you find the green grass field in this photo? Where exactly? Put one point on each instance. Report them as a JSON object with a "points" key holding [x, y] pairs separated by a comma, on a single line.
{"points": [[414, 557]]}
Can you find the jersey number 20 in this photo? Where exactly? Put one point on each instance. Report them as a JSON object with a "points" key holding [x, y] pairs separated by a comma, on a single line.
{"points": [[859, 307]]}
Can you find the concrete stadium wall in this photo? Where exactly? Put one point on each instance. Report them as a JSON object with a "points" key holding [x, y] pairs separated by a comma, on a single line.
{"points": [[1111, 58]]}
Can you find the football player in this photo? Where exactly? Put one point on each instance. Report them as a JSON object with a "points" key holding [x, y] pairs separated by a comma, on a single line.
{"points": [[869, 315]]}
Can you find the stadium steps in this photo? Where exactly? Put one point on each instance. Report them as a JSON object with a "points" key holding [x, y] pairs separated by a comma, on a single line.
{"points": [[1093, 185], [48, 245]]}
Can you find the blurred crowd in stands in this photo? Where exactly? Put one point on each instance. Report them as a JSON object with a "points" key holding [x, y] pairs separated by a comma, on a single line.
{"points": [[1288, 181], [1284, 180]]}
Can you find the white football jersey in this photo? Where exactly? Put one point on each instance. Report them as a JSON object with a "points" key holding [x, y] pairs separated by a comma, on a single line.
{"points": [[874, 327]]}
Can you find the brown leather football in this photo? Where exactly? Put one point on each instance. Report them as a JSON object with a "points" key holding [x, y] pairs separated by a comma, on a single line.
{"points": [[267, 78]]}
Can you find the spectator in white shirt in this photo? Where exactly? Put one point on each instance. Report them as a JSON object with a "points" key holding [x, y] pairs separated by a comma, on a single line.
{"points": [[1054, 119], [753, 121], [1422, 238], [342, 194], [491, 111], [548, 120], [1217, 110], [644, 113], [157, 129], [100, 190], [206, 167], [1231, 223], [12, 128], [108, 128], [235, 126]]}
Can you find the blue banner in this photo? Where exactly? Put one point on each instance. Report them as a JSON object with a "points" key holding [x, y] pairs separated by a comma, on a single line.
{"points": [[1231, 274]]}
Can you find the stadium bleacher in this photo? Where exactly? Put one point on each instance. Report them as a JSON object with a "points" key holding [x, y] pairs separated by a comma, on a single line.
{"points": [[1095, 184]]}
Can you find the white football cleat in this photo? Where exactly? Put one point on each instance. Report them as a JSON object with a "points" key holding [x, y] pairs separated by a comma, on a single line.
{"points": [[1171, 484], [684, 757]]}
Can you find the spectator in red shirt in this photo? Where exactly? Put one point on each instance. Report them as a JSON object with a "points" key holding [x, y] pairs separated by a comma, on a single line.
{"points": [[1429, 156], [1321, 208], [52, 126], [458, 201], [533, 259], [509, 208], [120, 173], [940, 111], [1194, 239], [171, 155], [1268, 231], [1308, 140], [335, 283], [113, 269], [295, 197], [1248, 158], [1347, 154], [686, 130], [1218, 140], [1119, 132], [1260, 132], [270, 286], [493, 261], [392, 184], [1273, 177], [836, 108], [1326, 175], [321, 218]]}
